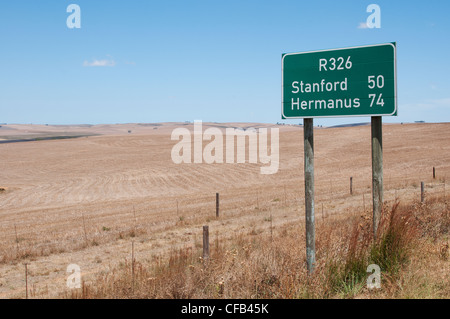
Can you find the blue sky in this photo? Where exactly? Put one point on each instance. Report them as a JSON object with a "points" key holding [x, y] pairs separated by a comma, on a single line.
{"points": [[158, 61]]}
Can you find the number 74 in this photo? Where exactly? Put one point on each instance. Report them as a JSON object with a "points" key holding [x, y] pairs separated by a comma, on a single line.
{"points": [[380, 100]]}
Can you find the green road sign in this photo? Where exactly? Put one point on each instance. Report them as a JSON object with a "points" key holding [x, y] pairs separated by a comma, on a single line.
{"points": [[357, 81]]}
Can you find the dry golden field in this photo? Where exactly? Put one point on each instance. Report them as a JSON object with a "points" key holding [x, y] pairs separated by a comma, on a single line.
{"points": [[84, 200]]}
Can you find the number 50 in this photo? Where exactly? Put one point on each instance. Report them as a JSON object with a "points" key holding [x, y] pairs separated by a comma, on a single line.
{"points": [[378, 83]]}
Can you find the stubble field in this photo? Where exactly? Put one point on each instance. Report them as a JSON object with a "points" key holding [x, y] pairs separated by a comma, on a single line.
{"points": [[85, 200]]}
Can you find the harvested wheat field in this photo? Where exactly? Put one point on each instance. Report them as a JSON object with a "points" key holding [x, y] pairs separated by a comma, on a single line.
{"points": [[82, 194]]}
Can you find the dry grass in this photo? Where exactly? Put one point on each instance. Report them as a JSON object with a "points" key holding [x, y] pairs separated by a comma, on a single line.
{"points": [[84, 200], [411, 246]]}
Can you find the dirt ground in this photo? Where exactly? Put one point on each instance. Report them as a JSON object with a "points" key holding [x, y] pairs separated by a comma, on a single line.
{"points": [[84, 200]]}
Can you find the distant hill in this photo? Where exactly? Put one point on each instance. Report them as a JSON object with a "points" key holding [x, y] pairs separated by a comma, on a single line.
{"points": [[351, 125]]}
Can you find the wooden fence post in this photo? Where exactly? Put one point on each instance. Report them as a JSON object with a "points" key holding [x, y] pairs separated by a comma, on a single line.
{"points": [[257, 200], [364, 204], [132, 266], [84, 228], [17, 241], [351, 185], [271, 227], [205, 242], [217, 205], [26, 281], [422, 192]]}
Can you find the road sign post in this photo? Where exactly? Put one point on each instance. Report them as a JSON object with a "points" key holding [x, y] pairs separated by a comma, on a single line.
{"points": [[308, 133], [355, 81], [377, 171]]}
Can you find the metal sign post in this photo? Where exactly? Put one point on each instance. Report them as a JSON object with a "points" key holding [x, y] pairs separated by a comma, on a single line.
{"points": [[377, 171], [308, 131]]}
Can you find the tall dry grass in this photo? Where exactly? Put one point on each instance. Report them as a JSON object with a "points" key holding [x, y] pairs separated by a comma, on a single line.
{"points": [[264, 265]]}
